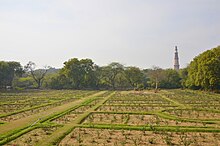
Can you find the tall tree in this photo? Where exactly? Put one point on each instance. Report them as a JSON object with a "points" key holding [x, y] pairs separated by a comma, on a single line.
{"points": [[183, 75], [80, 72], [59, 81], [204, 71], [110, 73], [156, 75], [171, 79], [134, 76], [37, 75], [3, 74], [95, 77], [8, 70]]}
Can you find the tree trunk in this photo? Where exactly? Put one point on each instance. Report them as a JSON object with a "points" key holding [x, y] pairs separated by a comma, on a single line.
{"points": [[38, 84], [156, 86]]}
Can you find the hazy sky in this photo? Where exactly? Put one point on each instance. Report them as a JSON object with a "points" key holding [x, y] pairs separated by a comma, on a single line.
{"points": [[139, 33]]}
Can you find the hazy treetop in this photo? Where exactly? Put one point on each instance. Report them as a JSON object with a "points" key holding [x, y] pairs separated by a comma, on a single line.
{"points": [[134, 32]]}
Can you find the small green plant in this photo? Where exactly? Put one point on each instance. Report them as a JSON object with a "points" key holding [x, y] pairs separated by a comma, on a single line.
{"points": [[185, 140], [79, 139], [135, 141], [98, 134], [72, 135], [152, 128], [168, 139], [151, 140]]}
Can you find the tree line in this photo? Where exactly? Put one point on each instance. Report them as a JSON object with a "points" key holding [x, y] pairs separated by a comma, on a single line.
{"points": [[202, 73]]}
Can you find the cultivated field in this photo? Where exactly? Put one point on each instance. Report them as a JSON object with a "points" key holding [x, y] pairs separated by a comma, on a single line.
{"points": [[109, 118]]}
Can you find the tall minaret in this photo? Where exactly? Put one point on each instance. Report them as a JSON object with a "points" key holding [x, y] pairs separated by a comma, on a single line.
{"points": [[176, 60]]}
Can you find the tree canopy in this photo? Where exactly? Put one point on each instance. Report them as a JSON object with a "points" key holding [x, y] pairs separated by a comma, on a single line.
{"points": [[38, 75], [8, 70], [204, 71], [79, 72]]}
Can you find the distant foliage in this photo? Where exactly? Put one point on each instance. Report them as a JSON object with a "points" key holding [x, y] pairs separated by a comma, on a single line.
{"points": [[23, 82], [84, 74], [135, 77], [171, 79], [163, 78], [8, 71], [202, 73], [80, 73]]}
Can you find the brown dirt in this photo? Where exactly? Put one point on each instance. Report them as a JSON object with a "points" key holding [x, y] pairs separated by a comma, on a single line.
{"points": [[105, 137], [33, 137], [193, 114], [135, 120]]}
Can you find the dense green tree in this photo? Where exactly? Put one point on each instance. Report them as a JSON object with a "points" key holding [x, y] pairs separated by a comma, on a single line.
{"points": [[134, 76], [8, 70], [79, 72], [3, 73], [204, 71], [121, 82], [171, 79], [110, 73], [183, 75], [59, 81], [24, 83], [95, 77], [156, 75]]}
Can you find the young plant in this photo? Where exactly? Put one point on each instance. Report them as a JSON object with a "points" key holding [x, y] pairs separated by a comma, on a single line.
{"points": [[151, 140]]}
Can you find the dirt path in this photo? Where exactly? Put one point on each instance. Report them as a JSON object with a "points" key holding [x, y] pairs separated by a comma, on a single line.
{"points": [[21, 123]]}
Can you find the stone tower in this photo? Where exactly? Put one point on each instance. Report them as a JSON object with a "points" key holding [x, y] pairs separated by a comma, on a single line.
{"points": [[176, 60]]}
